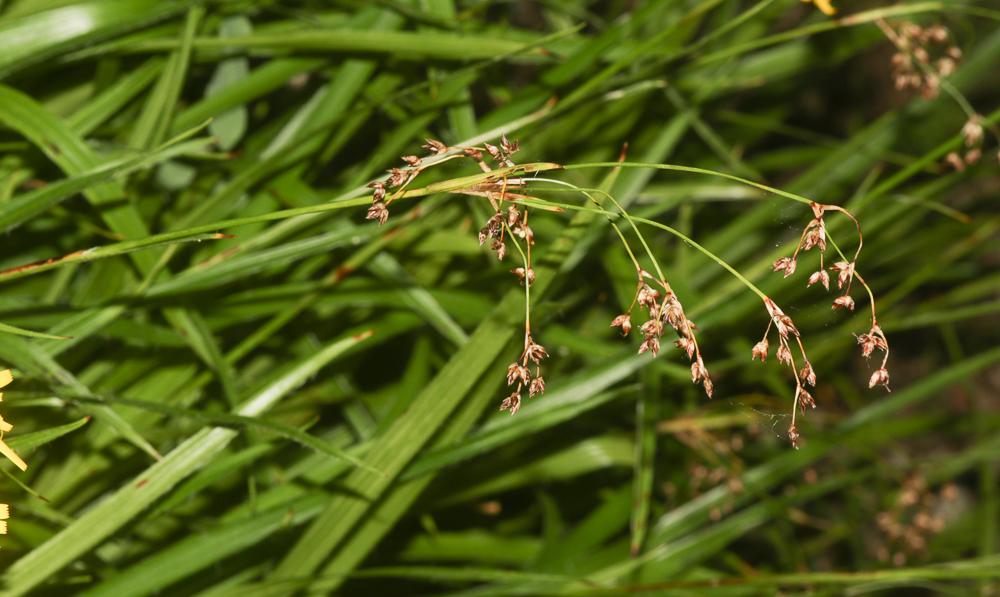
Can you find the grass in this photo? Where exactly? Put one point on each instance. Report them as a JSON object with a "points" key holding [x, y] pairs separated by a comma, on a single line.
{"points": [[227, 381]]}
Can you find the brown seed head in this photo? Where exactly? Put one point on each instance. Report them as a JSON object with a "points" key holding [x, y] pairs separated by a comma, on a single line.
{"points": [[844, 302], [879, 378], [435, 147], [511, 403], [822, 277], [650, 344], [759, 351], [807, 375], [378, 211], [785, 264], [537, 386], [623, 321]]}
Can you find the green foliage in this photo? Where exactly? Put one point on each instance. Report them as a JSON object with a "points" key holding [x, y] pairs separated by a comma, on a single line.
{"points": [[227, 381]]}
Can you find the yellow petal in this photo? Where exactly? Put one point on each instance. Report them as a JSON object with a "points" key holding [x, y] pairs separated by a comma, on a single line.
{"points": [[5, 377], [12, 456], [825, 6]]}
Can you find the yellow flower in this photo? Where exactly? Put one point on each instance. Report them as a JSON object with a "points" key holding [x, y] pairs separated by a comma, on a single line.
{"points": [[5, 450], [823, 5]]}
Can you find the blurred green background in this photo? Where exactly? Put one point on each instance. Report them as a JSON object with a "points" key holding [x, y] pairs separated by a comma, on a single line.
{"points": [[307, 403]]}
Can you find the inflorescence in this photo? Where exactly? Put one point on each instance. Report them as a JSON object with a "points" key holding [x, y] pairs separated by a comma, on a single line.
{"points": [[508, 225]]}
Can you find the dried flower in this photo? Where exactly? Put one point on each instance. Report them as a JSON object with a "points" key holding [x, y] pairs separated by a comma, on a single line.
{"points": [[378, 211], [807, 375], [871, 341], [708, 386], [650, 344], [845, 271], [524, 275], [973, 130], [698, 370], [805, 399], [534, 351], [624, 322], [397, 177], [793, 436], [784, 354], [517, 372], [822, 277], [378, 188], [537, 386], [687, 345], [759, 351], [511, 403], [500, 248], [509, 147], [647, 296], [781, 321], [879, 378], [785, 264], [844, 302], [411, 160], [435, 147]]}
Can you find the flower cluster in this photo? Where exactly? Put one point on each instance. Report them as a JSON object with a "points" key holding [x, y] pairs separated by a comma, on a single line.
{"points": [[665, 310], [924, 56], [815, 235], [917, 514], [507, 224], [972, 135], [518, 374]]}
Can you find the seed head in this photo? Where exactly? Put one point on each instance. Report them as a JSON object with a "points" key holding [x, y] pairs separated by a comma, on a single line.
{"points": [[647, 296], [499, 247], [411, 160], [650, 344], [623, 321], [784, 354], [973, 131], [378, 211], [698, 370], [879, 378], [511, 403], [534, 351], [782, 322], [524, 275], [378, 190], [845, 271], [537, 386], [759, 351], [805, 399], [822, 277], [785, 264], [686, 344], [844, 302], [517, 373], [397, 177], [807, 375], [435, 147], [708, 386], [793, 436], [509, 147]]}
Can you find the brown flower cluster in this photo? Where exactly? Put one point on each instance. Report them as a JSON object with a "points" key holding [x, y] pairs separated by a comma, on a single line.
{"points": [[915, 516], [815, 235], [664, 310], [924, 56], [972, 135], [507, 224]]}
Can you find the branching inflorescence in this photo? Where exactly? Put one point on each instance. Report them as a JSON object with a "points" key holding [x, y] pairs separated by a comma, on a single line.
{"points": [[653, 294], [507, 224], [815, 235]]}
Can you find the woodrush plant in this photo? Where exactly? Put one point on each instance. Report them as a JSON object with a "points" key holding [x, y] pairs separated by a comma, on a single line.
{"points": [[663, 309]]}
